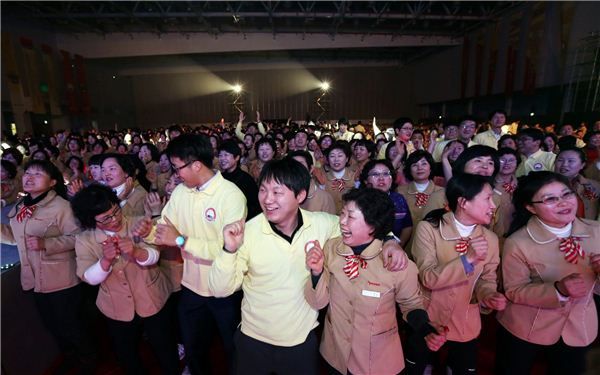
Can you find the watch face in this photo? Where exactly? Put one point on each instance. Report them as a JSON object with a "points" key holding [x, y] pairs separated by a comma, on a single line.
{"points": [[180, 241]]}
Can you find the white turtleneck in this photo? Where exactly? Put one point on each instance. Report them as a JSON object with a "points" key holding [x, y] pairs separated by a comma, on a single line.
{"points": [[563, 232], [421, 187], [463, 230]]}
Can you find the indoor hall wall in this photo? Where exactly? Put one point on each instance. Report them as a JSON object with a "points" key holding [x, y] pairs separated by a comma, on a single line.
{"points": [[357, 92]]}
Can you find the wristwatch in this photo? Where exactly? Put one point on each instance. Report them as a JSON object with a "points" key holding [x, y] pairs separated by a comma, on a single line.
{"points": [[180, 241]]}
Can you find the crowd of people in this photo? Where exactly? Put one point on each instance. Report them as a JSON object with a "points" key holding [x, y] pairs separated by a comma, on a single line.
{"points": [[402, 237]]}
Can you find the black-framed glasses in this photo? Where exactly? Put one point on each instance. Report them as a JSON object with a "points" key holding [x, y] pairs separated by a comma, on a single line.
{"points": [[552, 200], [178, 169], [110, 217]]}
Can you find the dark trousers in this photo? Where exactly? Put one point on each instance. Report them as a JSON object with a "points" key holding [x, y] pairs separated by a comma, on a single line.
{"points": [[126, 338], [199, 318], [61, 314], [259, 358], [462, 356], [516, 356]]}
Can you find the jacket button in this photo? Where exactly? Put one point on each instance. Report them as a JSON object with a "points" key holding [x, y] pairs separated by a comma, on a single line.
{"points": [[125, 284], [128, 296]]}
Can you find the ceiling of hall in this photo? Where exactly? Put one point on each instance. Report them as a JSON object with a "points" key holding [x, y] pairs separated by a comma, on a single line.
{"points": [[359, 19], [444, 18]]}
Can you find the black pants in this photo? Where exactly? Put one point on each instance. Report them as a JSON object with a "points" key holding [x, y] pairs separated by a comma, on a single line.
{"points": [[61, 314], [516, 356], [259, 358], [126, 338], [462, 356], [199, 318]]}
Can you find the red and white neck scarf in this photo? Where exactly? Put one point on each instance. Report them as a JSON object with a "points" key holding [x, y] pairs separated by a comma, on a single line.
{"points": [[421, 199], [572, 249], [338, 184], [353, 262], [462, 245], [25, 212], [509, 188]]}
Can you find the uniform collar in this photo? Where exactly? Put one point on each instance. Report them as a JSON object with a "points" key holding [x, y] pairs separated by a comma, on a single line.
{"points": [[211, 186], [100, 236], [370, 252], [542, 236], [412, 188], [448, 229]]}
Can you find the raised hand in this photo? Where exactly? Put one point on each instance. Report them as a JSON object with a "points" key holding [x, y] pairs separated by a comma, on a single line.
{"points": [[394, 258], [233, 235], [142, 227], [242, 117], [74, 187], [478, 249], [153, 204], [166, 234], [315, 258]]}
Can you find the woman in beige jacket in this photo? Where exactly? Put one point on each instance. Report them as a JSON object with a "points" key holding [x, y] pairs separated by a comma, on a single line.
{"points": [[120, 174], [43, 227], [133, 290], [457, 258], [550, 267], [361, 332]]}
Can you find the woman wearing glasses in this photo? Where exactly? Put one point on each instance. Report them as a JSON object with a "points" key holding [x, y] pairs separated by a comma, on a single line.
{"points": [[133, 291], [43, 228], [380, 175], [550, 265]]}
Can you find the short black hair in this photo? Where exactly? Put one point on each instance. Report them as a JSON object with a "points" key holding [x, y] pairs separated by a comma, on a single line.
{"points": [[377, 209], [17, 155], [399, 122], [53, 172], [535, 134], [369, 145], [264, 140], [288, 172], [507, 151], [303, 154], [364, 174], [473, 152], [567, 142], [231, 147], [10, 168], [125, 161], [500, 111], [344, 146], [414, 158], [92, 201], [96, 159], [191, 147], [80, 164], [154, 153]]}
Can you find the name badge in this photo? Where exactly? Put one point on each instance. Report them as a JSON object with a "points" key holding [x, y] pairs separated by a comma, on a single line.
{"points": [[370, 293]]}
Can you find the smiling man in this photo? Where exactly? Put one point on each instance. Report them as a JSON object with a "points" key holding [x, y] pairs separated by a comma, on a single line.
{"points": [[266, 258], [193, 220]]}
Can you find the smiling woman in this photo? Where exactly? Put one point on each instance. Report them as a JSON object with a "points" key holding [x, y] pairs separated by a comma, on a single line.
{"points": [[550, 265]]}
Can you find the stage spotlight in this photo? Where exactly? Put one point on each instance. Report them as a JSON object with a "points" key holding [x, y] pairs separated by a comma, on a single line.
{"points": [[325, 86], [237, 88]]}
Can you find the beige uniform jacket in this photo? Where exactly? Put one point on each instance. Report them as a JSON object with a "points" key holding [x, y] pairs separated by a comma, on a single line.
{"points": [[437, 199], [335, 192], [51, 269], [504, 212], [361, 331], [130, 288], [451, 295], [531, 263], [590, 196], [318, 199], [134, 203]]}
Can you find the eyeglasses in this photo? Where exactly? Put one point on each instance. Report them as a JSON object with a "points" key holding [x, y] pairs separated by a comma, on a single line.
{"points": [[467, 126], [178, 169], [380, 175], [552, 200], [507, 161], [109, 218]]}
